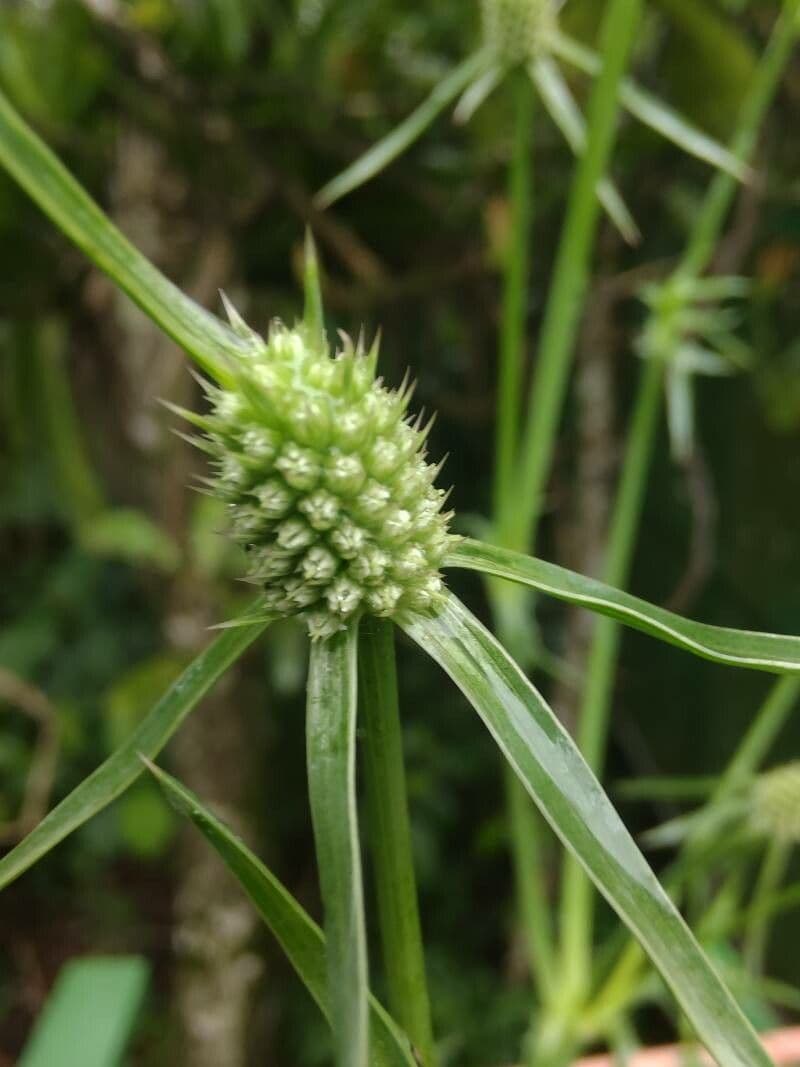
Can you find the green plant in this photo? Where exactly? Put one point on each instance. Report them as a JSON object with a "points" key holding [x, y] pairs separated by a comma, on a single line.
{"points": [[261, 380], [686, 334]]}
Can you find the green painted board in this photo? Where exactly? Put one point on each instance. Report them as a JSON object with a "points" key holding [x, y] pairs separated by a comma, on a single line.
{"points": [[90, 1014]]}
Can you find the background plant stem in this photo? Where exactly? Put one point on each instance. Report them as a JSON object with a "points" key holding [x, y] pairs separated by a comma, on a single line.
{"points": [[577, 902], [718, 201], [516, 286], [770, 876], [390, 838], [526, 845], [623, 981], [577, 894], [522, 508], [518, 498]]}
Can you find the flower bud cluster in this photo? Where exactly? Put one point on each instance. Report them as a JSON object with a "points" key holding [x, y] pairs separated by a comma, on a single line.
{"points": [[775, 809], [514, 30], [327, 483]]}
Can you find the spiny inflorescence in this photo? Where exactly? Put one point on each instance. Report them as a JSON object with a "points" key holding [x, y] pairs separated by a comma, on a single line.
{"points": [[515, 29], [775, 811], [326, 481]]}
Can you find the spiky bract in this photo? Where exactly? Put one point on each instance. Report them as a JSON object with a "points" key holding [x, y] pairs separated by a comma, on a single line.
{"points": [[514, 29], [776, 803], [326, 482]]}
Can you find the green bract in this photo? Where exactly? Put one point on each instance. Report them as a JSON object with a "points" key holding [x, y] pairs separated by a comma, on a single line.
{"points": [[776, 803], [326, 481], [514, 30]]}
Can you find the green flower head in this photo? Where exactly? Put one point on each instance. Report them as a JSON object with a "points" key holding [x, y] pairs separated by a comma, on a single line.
{"points": [[775, 809], [515, 29], [326, 481]]}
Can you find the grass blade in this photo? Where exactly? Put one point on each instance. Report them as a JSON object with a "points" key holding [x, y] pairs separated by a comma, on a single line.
{"points": [[522, 510], [313, 311], [122, 768], [390, 837], [331, 750], [41, 174], [653, 112], [564, 112], [775, 653], [89, 1016], [553, 771], [298, 935], [380, 155]]}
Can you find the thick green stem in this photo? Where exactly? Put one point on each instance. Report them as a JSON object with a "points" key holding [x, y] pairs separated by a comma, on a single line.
{"points": [[577, 900], [390, 838], [516, 285], [522, 507]]}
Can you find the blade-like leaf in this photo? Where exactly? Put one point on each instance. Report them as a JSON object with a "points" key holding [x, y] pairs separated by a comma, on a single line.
{"points": [[313, 311], [331, 752], [390, 837], [565, 113], [45, 179], [553, 771], [298, 935], [477, 93], [775, 653], [380, 155], [653, 789], [123, 767], [653, 112]]}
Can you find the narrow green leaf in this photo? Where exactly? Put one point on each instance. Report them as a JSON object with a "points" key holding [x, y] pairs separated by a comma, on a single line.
{"points": [[564, 112], [555, 774], [380, 155], [331, 758], [298, 935], [313, 312], [478, 93], [31, 163], [775, 653], [132, 536], [390, 837], [521, 511], [650, 789], [88, 1019], [123, 767], [653, 112]]}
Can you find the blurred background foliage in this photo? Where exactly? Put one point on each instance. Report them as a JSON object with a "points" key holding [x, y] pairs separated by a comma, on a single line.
{"points": [[204, 127]]}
